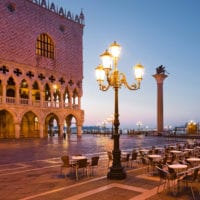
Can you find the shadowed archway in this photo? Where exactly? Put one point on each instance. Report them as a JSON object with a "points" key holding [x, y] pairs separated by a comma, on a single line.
{"points": [[29, 125], [7, 129]]}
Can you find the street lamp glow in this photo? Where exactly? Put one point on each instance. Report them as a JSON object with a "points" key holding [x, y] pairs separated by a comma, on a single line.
{"points": [[115, 50], [106, 59], [115, 79], [139, 72], [100, 73]]}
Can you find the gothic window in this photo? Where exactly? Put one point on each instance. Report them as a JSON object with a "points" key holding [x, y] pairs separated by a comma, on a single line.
{"points": [[24, 89], [10, 89], [45, 46], [47, 93], [36, 91]]}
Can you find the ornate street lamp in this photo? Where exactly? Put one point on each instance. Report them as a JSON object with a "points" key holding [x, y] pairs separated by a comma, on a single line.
{"points": [[116, 79]]}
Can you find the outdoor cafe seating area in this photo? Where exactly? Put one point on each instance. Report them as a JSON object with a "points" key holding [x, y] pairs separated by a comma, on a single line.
{"points": [[78, 165], [176, 166]]}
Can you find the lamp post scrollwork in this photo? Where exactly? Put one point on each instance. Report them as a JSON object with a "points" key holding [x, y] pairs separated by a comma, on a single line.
{"points": [[115, 79]]}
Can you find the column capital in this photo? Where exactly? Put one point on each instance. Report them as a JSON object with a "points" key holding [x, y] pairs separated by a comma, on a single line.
{"points": [[160, 77]]}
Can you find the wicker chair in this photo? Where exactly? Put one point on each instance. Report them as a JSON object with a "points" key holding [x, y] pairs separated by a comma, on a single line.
{"points": [[66, 166]]}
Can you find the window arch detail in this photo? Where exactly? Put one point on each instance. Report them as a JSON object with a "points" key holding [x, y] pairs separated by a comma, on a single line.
{"points": [[45, 46]]}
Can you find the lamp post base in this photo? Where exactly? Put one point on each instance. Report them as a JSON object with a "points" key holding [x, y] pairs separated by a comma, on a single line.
{"points": [[116, 173]]}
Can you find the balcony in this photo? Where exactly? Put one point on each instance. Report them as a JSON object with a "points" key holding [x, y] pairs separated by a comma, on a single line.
{"points": [[37, 103]]}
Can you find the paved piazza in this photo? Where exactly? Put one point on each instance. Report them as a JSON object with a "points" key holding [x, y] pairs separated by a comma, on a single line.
{"points": [[30, 169]]}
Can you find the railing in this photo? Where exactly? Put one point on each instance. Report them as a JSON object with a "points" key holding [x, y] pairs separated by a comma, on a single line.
{"points": [[10, 100], [37, 103], [24, 101]]}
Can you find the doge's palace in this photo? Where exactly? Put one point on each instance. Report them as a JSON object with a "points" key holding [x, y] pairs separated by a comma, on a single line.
{"points": [[41, 69]]}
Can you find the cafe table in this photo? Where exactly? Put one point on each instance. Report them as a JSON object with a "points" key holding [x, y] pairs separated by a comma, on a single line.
{"points": [[195, 161], [155, 156], [178, 167], [78, 157], [74, 159], [145, 151]]}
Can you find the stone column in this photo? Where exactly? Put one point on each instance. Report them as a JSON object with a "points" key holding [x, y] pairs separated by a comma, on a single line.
{"points": [[79, 130], [4, 93], [79, 102], [41, 130], [159, 79], [17, 130], [17, 94]]}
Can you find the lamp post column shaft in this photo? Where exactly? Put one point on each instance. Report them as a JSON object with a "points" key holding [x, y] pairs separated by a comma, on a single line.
{"points": [[116, 150], [116, 172]]}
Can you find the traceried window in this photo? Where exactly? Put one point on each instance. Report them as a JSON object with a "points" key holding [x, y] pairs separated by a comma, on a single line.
{"points": [[45, 46]]}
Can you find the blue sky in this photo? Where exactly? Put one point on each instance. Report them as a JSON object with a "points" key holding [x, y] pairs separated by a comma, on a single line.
{"points": [[152, 32]]}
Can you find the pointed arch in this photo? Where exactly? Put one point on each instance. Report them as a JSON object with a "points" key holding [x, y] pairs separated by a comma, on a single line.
{"points": [[52, 125], [71, 124], [10, 90]]}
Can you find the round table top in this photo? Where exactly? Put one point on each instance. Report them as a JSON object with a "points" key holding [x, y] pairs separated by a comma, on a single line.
{"points": [[175, 151], [159, 148], [78, 157], [193, 159], [188, 149], [154, 156], [144, 150], [178, 166]]}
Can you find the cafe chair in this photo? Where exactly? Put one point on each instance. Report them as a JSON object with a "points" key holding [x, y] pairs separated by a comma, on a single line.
{"points": [[65, 165], [81, 164], [145, 163], [126, 159], [134, 157], [172, 176], [164, 178], [93, 164], [189, 179]]}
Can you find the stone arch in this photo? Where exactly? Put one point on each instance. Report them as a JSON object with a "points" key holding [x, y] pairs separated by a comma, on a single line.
{"points": [[7, 128], [71, 119], [49, 127], [29, 125]]}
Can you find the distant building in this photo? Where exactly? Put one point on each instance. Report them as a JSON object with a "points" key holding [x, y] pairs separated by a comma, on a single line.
{"points": [[41, 69]]}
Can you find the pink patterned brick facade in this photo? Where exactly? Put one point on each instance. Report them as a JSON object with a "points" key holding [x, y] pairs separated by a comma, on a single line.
{"points": [[21, 23]]}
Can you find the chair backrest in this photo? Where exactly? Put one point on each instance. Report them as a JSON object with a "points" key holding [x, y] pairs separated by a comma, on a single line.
{"points": [[144, 162], [82, 163], [127, 156], [134, 155], [162, 173], [195, 174], [65, 160], [172, 173], [94, 161]]}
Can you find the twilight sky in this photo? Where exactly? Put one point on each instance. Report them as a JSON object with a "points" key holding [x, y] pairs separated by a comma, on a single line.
{"points": [[152, 32]]}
